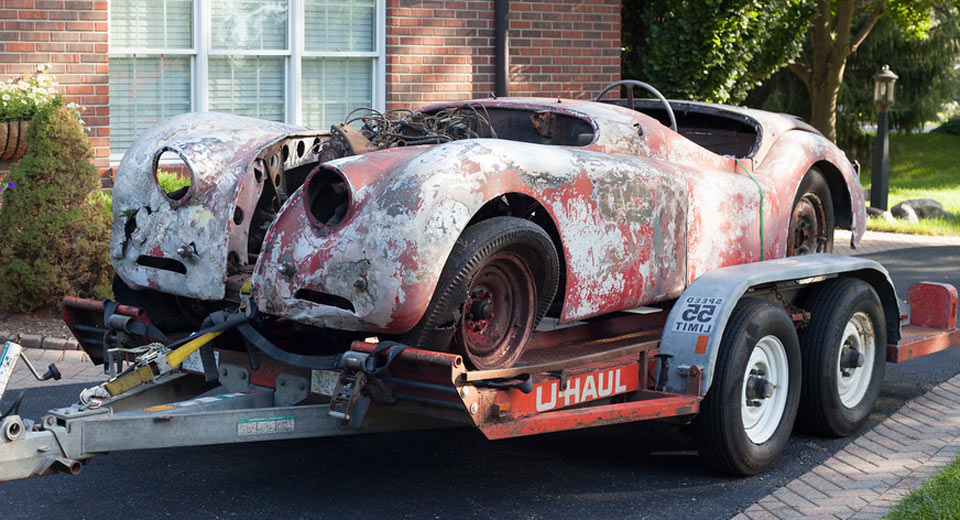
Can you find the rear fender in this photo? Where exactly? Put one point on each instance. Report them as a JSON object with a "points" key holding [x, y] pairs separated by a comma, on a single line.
{"points": [[697, 321]]}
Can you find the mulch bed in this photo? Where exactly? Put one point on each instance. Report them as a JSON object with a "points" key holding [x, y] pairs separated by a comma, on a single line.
{"points": [[46, 322]]}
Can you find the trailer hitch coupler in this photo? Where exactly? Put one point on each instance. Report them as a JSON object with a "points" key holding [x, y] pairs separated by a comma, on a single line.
{"points": [[13, 428]]}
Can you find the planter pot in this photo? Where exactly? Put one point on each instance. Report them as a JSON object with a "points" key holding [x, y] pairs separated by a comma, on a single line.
{"points": [[13, 138]]}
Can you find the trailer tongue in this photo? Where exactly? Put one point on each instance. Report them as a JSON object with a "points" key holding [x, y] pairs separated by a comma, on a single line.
{"points": [[611, 370]]}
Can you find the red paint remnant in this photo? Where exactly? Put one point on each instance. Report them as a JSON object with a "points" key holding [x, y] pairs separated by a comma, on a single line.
{"points": [[701, 347], [933, 305]]}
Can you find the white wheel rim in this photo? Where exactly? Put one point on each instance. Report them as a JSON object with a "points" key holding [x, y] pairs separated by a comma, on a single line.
{"points": [[761, 417], [852, 383]]}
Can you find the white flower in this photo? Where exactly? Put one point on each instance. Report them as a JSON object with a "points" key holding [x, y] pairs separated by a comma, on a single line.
{"points": [[5, 97]]}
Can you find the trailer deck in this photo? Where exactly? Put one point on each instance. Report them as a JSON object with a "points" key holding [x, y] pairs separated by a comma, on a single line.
{"points": [[606, 371]]}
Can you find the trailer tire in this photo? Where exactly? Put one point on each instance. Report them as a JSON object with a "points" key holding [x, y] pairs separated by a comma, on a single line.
{"points": [[845, 315], [736, 432]]}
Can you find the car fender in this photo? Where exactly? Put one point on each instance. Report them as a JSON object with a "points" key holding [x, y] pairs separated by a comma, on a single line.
{"points": [[695, 324], [219, 151], [411, 204], [794, 153]]}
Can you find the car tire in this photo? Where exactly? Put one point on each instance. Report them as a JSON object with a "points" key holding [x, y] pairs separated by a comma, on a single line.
{"points": [[844, 353], [738, 431], [495, 287], [812, 219]]}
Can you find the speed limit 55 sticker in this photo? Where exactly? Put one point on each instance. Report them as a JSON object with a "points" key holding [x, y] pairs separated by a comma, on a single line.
{"points": [[698, 314]]}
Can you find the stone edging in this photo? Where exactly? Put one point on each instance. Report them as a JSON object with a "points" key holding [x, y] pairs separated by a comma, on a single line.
{"points": [[41, 342]]}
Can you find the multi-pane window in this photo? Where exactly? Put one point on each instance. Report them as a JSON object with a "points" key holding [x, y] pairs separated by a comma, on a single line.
{"points": [[306, 62]]}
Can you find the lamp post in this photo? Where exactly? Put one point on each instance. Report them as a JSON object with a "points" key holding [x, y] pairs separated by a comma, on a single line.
{"points": [[880, 176]]}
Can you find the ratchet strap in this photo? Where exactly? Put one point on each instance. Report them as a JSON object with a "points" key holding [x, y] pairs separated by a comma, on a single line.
{"points": [[132, 326]]}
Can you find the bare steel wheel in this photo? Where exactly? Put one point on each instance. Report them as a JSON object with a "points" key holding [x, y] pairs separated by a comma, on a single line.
{"points": [[746, 417], [499, 312], [496, 286], [812, 219]]}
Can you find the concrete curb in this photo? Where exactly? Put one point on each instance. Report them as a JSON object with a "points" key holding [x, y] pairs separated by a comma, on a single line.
{"points": [[869, 476], [36, 341]]}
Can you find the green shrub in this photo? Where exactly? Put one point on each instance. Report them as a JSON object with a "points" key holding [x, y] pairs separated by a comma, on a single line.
{"points": [[950, 127], [54, 235], [170, 181]]}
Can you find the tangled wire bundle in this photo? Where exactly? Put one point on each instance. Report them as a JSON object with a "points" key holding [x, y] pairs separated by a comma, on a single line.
{"points": [[409, 128]]}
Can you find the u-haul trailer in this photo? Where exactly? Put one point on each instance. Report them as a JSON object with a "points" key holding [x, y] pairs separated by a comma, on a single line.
{"points": [[742, 353]]}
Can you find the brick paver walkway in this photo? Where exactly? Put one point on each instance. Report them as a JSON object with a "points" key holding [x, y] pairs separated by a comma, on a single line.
{"points": [[875, 242], [870, 475], [74, 366]]}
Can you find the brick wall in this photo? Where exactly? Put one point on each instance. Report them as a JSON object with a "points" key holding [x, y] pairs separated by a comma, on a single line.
{"points": [[72, 36], [564, 48], [441, 50]]}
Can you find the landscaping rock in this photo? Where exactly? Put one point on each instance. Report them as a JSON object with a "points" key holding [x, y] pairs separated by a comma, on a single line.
{"points": [[905, 211], [866, 195], [879, 213], [923, 208]]}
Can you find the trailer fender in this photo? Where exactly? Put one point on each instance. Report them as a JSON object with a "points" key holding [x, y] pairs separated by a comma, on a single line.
{"points": [[696, 322]]}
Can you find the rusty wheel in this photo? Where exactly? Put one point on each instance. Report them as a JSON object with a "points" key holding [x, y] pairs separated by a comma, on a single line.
{"points": [[496, 286], [812, 220], [498, 313]]}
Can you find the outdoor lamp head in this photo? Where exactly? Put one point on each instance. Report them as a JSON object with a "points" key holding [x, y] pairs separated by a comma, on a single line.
{"points": [[883, 87]]}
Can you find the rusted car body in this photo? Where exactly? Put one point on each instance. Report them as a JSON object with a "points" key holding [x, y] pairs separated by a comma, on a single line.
{"points": [[636, 210]]}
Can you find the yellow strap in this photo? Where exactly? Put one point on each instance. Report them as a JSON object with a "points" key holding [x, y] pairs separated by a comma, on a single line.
{"points": [[177, 356], [129, 381]]}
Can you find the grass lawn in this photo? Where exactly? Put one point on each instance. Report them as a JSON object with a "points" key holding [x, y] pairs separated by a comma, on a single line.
{"points": [[938, 498], [922, 166]]}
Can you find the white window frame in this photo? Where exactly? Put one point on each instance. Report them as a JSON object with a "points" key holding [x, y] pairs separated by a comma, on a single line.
{"points": [[202, 50]]}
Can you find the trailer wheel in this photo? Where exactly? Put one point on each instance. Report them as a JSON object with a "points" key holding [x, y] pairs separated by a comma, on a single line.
{"points": [[746, 418], [843, 350], [496, 286], [812, 219]]}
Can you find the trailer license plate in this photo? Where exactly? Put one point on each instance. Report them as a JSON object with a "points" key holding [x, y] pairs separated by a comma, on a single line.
{"points": [[9, 355], [324, 382]]}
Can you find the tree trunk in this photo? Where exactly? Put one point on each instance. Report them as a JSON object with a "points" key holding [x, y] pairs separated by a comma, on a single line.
{"points": [[824, 91]]}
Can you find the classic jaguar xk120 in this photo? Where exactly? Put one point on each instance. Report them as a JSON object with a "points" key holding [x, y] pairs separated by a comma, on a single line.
{"points": [[460, 226]]}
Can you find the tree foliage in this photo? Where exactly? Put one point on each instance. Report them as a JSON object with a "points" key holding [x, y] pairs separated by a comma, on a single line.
{"points": [[54, 237], [927, 66], [710, 50], [837, 31]]}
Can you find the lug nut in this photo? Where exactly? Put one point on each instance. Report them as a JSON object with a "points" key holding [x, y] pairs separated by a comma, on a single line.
{"points": [[286, 269]]}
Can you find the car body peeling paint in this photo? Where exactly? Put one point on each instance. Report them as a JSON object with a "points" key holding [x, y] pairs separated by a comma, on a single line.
{"points": [[220, 151], [640, 211]]}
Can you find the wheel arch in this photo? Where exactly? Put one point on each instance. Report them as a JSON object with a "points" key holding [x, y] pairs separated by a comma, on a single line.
{"points": [[839, 192], [692, 341], [520, 205]]}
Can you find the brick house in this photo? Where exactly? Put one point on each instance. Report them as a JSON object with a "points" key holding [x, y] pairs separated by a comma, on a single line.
{"points": [[130, 63]]}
